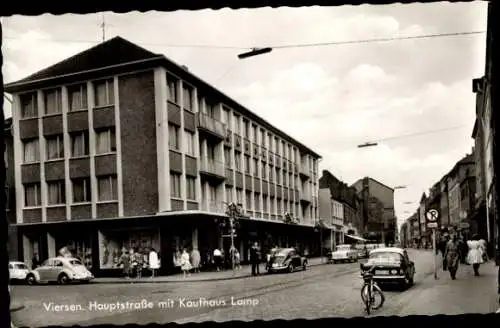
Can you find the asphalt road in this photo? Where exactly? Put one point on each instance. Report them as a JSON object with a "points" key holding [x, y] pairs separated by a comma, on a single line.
{"points": [[321, 291]]}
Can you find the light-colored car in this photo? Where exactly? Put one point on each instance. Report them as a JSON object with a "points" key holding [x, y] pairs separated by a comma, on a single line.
{"points": [[18, 271], [344, 253], [62, 270]]}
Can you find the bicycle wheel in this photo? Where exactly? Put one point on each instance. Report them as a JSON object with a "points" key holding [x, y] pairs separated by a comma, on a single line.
{"points": [[378, 298], [366, 297]]}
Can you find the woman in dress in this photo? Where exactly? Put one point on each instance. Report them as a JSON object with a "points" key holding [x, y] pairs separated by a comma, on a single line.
{"points": [[185, 263], [452, 256], [475, 255], [154, 263], [125, 263], [195, 259]]}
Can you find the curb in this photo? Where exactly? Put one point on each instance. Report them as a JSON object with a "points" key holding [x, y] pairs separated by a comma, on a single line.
{"points": [[16, 307], [149, 281]]}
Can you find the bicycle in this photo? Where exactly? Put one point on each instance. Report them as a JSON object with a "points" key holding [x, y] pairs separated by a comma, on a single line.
{"points": [[370, 290]]}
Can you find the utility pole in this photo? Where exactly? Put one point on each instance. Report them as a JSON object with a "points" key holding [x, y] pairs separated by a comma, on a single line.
{"points": [[103, 27]]}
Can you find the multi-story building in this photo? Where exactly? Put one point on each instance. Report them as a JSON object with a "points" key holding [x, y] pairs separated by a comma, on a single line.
{"points": [[424, 233], [352, 212], [10, 205], [404, 237], [379, 219], [119, 147], [333, 207], [444, 213], [414, 226]]}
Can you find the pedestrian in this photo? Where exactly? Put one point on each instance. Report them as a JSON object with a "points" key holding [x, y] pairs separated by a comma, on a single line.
{"points": [[475, 255], [125, 263], [254, 259], [195, 260], [177, 261], [484, 246], [452, 256], [217, 255], [185, 263], [154, 263], [35, 261], [237, 259], [232, 255], [139, 260]]}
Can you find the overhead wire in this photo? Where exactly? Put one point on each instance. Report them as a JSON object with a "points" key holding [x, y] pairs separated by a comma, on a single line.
{"points": [[428, 132], [288, 46]]}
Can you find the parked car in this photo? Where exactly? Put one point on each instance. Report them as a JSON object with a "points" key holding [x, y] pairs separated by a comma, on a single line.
{"points": [[18, 271], [62, 270], [362, 251], [286, 259], [344, 253], [391, 265]]}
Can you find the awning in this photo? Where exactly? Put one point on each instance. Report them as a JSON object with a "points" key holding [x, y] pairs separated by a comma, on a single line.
{"points": [[356, 238]]}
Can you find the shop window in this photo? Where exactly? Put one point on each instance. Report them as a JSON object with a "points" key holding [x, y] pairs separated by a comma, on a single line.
{"points": [[78, 247]]}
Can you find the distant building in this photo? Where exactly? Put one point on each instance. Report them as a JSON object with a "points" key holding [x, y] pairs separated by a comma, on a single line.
{"points": [[379, 219], [339, 208], [424, 232]]}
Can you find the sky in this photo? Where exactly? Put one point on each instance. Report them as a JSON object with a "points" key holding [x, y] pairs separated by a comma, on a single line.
{"points": [[331, 98]]}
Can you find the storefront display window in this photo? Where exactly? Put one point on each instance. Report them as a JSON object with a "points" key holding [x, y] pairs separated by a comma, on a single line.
{"points": [[78, 247], [113, 243]]}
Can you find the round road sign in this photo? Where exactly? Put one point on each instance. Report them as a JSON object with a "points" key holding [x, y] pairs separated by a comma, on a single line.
{"points": [[432, 215]]}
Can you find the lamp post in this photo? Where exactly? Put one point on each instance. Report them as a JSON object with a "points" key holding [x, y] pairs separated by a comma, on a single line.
{"points": [[234, 212]]}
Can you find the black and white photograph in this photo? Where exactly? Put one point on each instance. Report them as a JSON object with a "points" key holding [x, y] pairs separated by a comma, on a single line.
{"points": [[250, 164]]}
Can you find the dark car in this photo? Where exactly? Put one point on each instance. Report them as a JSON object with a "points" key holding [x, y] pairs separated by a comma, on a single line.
{"points": [[391, 265], [286, 259]]}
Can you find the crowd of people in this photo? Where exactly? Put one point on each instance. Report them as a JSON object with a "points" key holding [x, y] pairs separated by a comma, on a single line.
{"points": [[456, 250]]}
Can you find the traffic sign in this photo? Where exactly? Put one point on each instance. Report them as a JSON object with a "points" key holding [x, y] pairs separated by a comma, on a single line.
{"points": [[432, 225], [432, 215]]}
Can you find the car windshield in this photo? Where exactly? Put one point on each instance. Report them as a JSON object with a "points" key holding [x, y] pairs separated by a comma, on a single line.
{"points": [[389, 256], [343, 247], [19, 266], [75, 262], [281, 253]]}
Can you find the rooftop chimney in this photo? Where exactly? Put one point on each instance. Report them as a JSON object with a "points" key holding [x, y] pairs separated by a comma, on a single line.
{"points": [[184, 67]]}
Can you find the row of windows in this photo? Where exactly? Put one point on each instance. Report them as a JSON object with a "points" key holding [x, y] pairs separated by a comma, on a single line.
{"points": [[176, 188], [104, 95], [56, 191], [105, 143], [241, 127]]}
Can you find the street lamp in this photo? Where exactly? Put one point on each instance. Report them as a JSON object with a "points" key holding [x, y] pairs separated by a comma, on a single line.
{"points": [[255, 52], [234, 212]]}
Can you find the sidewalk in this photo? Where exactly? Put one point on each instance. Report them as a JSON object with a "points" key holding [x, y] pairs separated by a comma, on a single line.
{"points": [[244, 272], [467, 294]]}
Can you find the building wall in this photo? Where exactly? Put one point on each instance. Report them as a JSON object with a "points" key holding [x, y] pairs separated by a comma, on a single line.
{"points": [[10, 204], [443, 204], [325, 204], [454, 201]]}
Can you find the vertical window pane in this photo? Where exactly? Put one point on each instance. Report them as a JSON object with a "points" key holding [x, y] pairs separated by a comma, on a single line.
{"points": [[32, 194], [54, 147], [105, 141], [107, 188], [56, 192], [31, 151], [173, 136]]}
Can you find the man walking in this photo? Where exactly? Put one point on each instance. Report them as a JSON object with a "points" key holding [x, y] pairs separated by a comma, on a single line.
{"points": [[254, 259]]}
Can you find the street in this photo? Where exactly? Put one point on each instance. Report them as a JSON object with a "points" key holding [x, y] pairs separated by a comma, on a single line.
{"points": [[321, 291]]}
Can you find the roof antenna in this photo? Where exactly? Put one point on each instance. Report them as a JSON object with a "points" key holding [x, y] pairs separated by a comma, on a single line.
{"points": [[103, 28]]}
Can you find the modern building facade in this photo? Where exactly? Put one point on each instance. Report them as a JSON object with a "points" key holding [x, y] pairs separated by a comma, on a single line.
{"points": [[10, 204], [118, 147], [379, 219]]}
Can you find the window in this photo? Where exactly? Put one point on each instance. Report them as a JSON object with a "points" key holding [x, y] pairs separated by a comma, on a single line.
{"points": [[283, 179], [264, 204], [246, 129], [172, 89], [247, 164], [211, 152], [248, 199], [213, 195], [29, 105], [77, 97], [53, 101], [237, 160], [55, 147], [107, 188], [225, 115], [200, 103], [32, 195], [31, 150], [263, 137], [187, 96], [104, 93], [81, 190], [191, 188], [256, 200], [236, 125], [175, 185], [255, 167], [189, 142], [229, 194], [264, 171], [254, 133], [277, 176], [239, 195], [227, 157], [56, 192], [105, 141], [210, 108], [79, 144], [273, 205], [173, 137]]}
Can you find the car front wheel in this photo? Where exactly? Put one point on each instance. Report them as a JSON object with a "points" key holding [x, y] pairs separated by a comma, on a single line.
{"points": [[30, 279], [63, 279], [291, 268], [304, 266]]}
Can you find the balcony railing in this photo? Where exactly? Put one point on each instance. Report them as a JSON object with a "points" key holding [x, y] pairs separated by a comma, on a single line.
{"points": [[211, 125], [212, 167]]}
